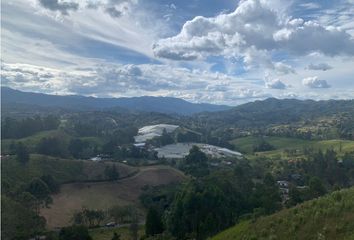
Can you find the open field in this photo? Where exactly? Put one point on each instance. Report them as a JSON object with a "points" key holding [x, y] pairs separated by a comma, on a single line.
{"points": [[104, 195], [245, 145], [328, 217]]}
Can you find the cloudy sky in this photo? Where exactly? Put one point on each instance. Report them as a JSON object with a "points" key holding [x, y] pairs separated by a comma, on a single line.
{"points": [[217, 51]]}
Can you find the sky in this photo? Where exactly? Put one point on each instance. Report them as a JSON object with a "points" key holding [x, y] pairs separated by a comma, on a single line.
{"points": [[214, 51]]}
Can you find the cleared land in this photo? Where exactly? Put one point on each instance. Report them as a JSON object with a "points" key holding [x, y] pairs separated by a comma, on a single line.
{"points": [[328, 217], [104, 195]]}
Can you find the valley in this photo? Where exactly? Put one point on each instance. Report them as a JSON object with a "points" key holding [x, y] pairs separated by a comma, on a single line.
{"points": [[177, 120], [176, 176]]}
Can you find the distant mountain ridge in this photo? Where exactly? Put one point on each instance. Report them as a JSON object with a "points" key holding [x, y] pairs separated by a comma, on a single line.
{"points": [[278, 111], [168, 105]]}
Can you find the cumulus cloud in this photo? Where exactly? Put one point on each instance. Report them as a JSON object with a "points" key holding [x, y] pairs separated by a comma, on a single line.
{"points": [[283, 68], [61, 6], [320, 66], [314, 82], [275, 84], [254, 24]]}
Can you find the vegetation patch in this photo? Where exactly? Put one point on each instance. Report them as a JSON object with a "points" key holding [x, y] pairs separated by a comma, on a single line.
{"points": [[328, 217]]}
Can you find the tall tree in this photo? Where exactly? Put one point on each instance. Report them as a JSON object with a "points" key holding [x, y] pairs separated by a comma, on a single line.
{"points": [[153, 223], [196, 163], [40, 191], [316, 187], [22, 153]]}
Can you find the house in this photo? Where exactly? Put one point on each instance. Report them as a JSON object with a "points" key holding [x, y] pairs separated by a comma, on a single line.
{"points": [[283, 184]]}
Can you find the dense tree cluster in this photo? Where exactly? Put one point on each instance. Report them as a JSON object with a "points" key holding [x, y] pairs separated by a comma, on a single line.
{"points": [[263, 146], [19, 128], [52, 146], [88, 217], [210, 203]]}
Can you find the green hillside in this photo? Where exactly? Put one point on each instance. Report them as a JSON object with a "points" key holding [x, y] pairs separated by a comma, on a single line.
{"points": [[246, 144], [328, 217]]}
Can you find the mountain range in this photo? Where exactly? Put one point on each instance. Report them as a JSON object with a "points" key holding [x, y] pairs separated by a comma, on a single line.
{"points": [[169, 105]]}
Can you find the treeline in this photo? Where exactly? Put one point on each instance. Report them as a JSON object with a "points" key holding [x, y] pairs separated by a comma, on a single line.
{"points": [[56, 146], [19, 128]]}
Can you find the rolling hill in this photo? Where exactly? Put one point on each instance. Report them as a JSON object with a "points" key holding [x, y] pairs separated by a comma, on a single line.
{"points": [[328, 217]]}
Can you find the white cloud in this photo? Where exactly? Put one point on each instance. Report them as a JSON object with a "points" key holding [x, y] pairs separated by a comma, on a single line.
{"points": [[136, 29], [283, 68], [310, 5], [314, 82], [106, 79], [46, 50], [275, 84], [320, 66], [252, 25]]}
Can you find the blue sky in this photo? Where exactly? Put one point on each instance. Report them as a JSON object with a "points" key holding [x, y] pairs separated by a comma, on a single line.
{"points": [[217, 51]]}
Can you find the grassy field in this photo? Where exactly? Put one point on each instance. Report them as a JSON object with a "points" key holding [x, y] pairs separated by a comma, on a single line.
{"points": [[63, 170], [329, 217], [245, 145], [107, 233], [104, 195]]}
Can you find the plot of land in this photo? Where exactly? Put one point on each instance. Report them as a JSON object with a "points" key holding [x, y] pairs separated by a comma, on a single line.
{"points": [[104, 195]]}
